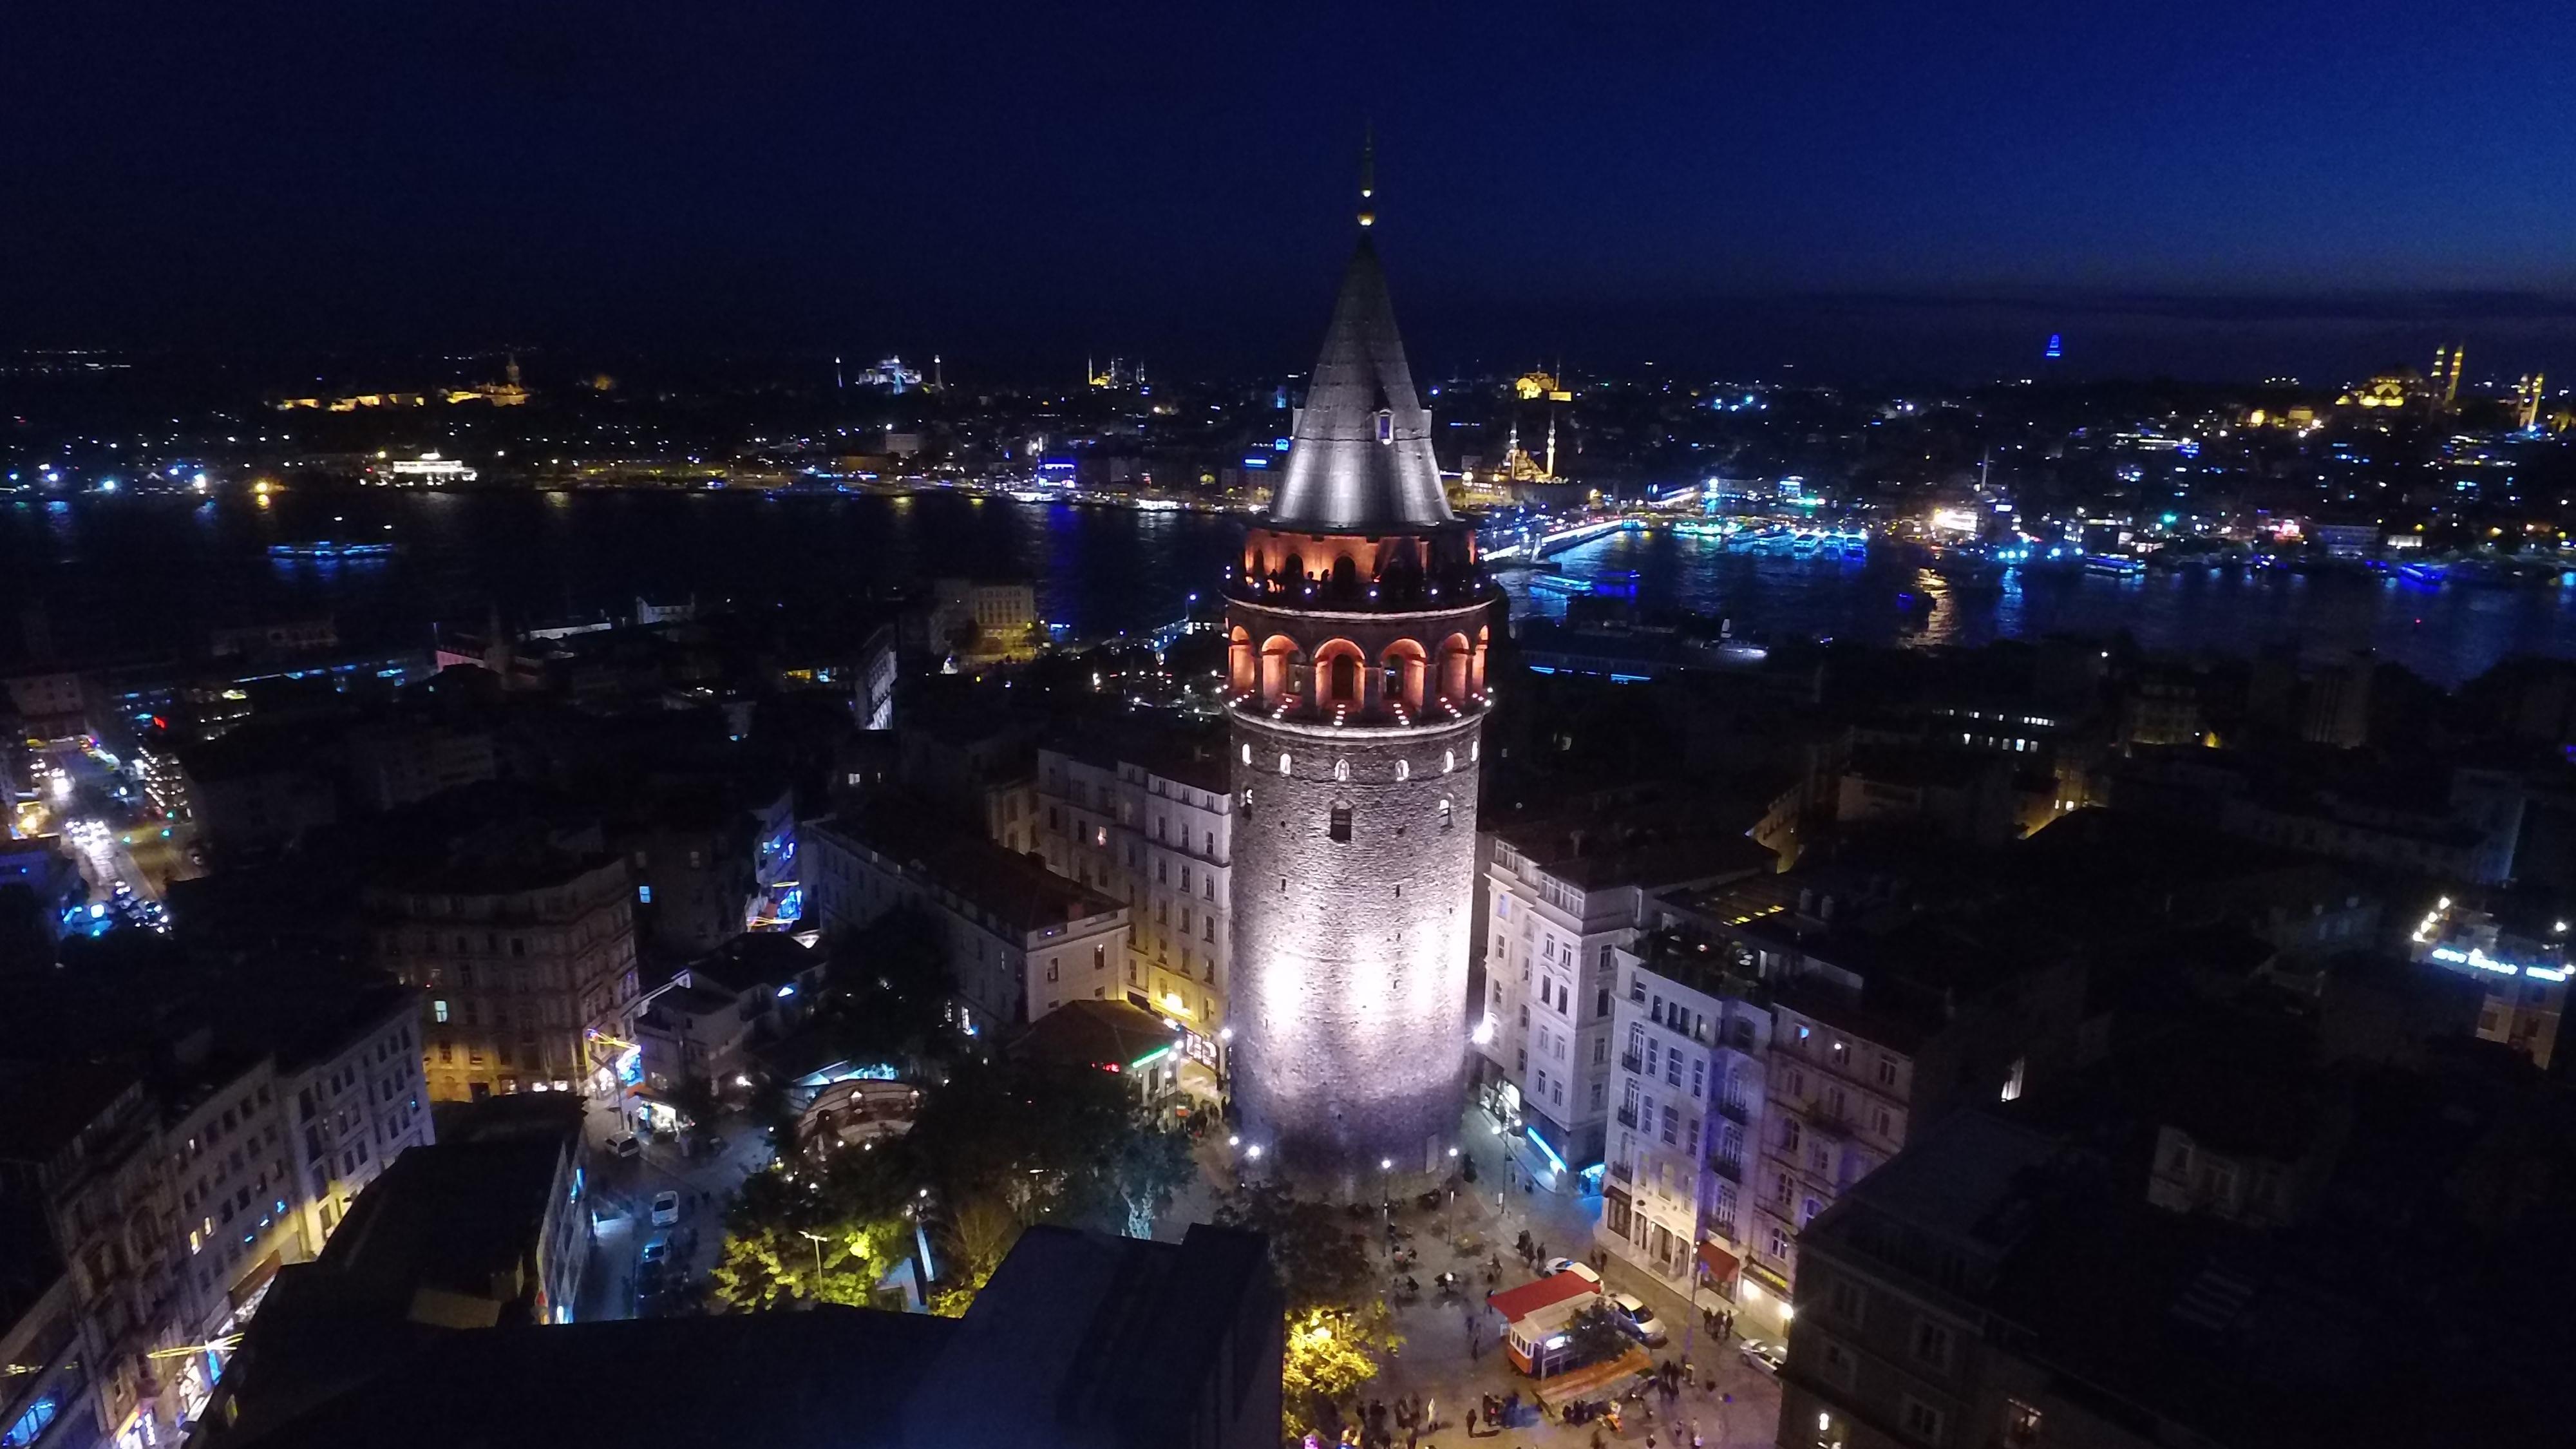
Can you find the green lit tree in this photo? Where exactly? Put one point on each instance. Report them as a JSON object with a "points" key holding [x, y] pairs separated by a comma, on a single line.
{"points": [[819, 1235], [1338, 1329]]}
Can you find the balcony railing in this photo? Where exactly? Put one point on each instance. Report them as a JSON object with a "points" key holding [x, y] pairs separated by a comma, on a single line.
{"points": [[1730, 1168], [1631, 1062], [1624, 1170], [1627, 1117], [1734, 1110]]}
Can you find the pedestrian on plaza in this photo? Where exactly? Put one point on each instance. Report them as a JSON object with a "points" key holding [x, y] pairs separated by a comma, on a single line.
{"points": [[1471, 1423]]}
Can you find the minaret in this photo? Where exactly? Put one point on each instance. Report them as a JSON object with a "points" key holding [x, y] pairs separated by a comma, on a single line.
{"points": [[1358, 624]]}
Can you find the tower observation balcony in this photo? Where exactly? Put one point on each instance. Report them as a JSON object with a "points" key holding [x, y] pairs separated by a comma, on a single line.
{"points": [[1379, 631]]}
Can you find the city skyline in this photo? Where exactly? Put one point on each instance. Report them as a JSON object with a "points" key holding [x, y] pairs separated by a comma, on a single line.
{"points": [[2174, 194]]}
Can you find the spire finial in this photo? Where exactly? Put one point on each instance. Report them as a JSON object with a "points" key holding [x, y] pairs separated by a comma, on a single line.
{"points": [[1368, 175]]}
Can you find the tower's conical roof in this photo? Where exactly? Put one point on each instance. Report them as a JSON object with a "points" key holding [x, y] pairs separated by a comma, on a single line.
{"points": [[1359, 457]]}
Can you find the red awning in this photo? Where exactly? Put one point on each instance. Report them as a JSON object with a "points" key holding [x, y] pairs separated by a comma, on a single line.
{"points": [[1515, 1304], [1718, 1263]]}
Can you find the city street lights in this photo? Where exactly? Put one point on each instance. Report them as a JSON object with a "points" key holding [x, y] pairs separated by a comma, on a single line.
{"points": [[817, 1240]]}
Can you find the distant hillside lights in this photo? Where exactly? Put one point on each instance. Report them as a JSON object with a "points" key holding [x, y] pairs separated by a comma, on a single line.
{"points": [[508, 393]]}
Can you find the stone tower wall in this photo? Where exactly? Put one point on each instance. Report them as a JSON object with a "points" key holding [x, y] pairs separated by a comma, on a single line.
{"points": [[1351, 955]]}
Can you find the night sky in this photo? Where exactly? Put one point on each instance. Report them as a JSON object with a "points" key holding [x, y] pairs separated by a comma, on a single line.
{"points": [[2210, 189]]}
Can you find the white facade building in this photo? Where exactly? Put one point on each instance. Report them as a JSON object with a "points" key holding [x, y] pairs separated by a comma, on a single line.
{"points": [[1021, 940], [1559, 909], [1145, 821]]}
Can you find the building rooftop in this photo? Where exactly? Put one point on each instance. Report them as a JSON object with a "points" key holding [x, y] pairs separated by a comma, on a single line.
{"points": [[1080, 1339], [448, 1232], [827, 1378], [1652, 847], [1194, 756], [1086, 1033], [1018, 891]]}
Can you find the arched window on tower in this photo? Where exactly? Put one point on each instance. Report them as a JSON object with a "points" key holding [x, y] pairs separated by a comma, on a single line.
{"points": [[1341, 769], [1448, 812], [1283, 762]]}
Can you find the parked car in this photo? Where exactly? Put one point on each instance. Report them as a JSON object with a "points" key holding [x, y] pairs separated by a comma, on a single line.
{"points": [[656, 1254], [625, 1145], [1638, 1319], [666, 1209], [1569, 1265], [1763, 1354]]}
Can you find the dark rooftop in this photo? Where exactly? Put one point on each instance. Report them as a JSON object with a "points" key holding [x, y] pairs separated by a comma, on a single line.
{"points": [[1084, 1033], [1017, 890]]}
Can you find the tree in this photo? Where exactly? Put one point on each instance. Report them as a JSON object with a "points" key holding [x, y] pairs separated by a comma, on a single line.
{"points": [[1338, 1326], [1325, 1364], [768, 1265], [1311, 1244], [1152, 1163], [1594, 1336], [892, 985], [1003, 1145], [1054, 1145], [977, 1234], [857, 1210]]}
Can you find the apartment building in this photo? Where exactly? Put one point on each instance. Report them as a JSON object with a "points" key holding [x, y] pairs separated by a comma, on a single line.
{"points": [[1772, 1057], [1143, 817], [1020, 939], [1694, 1037], [175, 1184], [524, 959], [1562, 895]]}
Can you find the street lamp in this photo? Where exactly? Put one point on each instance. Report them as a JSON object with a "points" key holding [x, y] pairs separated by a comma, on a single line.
{"points": [[817, 1240]]}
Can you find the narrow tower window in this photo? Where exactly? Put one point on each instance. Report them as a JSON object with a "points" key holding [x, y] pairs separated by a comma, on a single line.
{"points": [[1448, 761], [1448, 812], [1385, 426], [1404, 769], [1341, 769], [1247, 754], [1283, 762], [1341, 822]]}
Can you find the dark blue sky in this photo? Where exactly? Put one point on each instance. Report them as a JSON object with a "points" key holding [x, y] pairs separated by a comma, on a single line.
{"points": [[2217, 189]]}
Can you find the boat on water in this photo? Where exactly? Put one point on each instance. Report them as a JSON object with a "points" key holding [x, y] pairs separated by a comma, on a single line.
{"points": [[329, 548], [2114, 565], [1563, 584]]}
